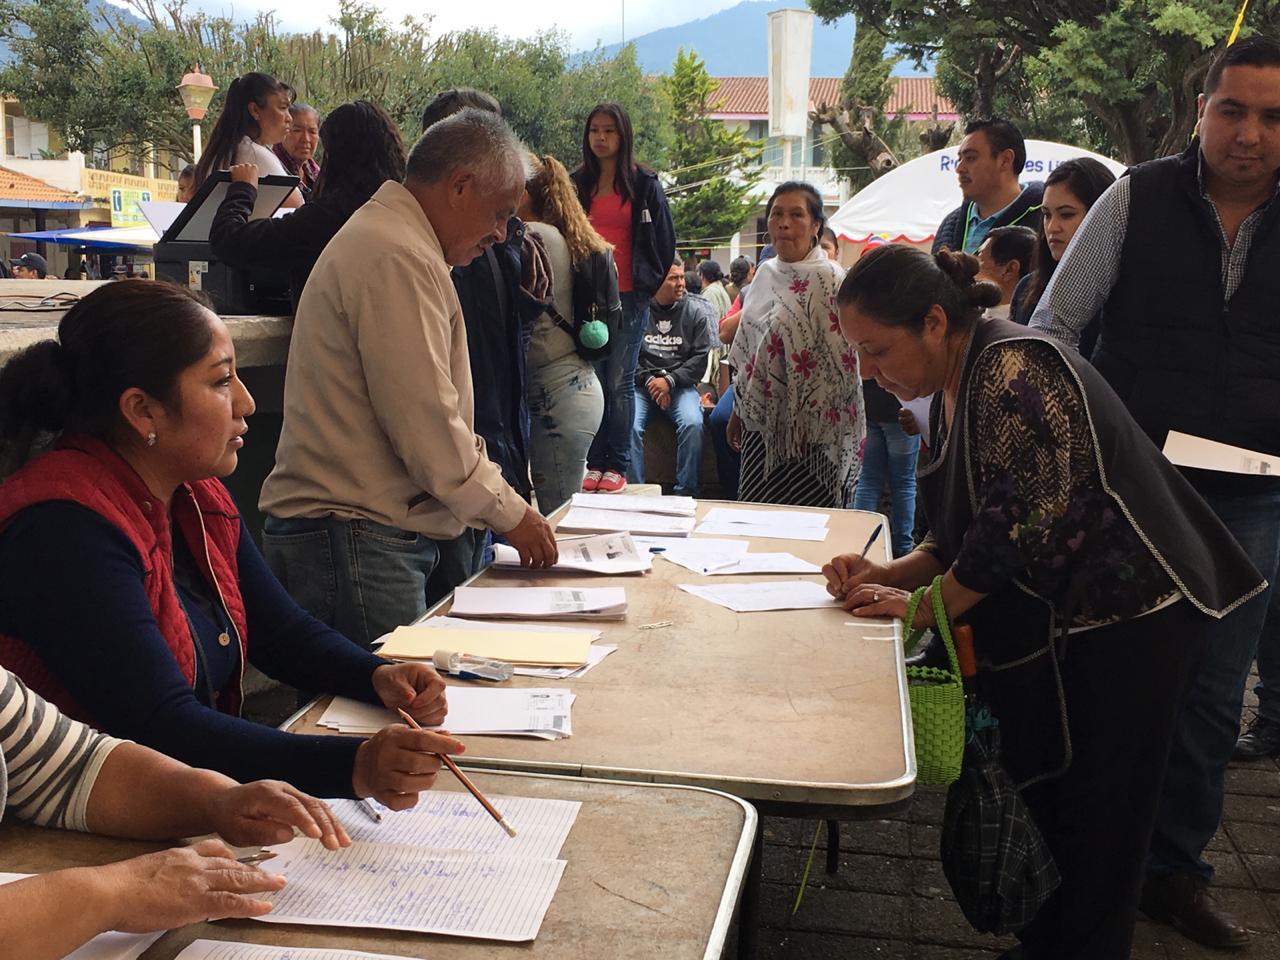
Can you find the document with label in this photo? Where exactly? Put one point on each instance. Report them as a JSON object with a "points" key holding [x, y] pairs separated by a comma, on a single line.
{"points": [[542, 712], [404, 887], [595, 653], [1188, 451], [105, 946], [672, 506], [542, 603], [452, 820], [563, 648], [226, 950], [609, 554], [765, 524], [592, 520], [758, 597]]}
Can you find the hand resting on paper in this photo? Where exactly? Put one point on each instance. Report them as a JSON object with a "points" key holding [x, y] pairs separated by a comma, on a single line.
{"points": [[413, 687], [876, 600], [535, 541], [268, 811], [397, 763]]}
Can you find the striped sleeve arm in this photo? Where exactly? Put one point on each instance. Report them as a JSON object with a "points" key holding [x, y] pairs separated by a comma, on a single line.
{"points": [[52, 761]]}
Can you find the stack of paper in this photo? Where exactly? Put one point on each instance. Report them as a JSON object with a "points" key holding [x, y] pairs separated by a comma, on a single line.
{"points": [[671, 506], [595, 653], [765, 563], [609, 554], [443, 867], [773, 524], [105, 946], [774, 595], [542, 712], [593, 520], [542, 648], [540, 603], [226, 950]]}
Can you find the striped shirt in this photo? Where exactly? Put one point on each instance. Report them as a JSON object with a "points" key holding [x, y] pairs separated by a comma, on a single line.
{"points": [[48, 762]]}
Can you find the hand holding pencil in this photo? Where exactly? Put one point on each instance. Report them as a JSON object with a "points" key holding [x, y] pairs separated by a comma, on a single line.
{"points": [[397, 763]]}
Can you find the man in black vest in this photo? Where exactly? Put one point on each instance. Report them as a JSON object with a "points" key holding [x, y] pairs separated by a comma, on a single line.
{"points": [[1183, 255]]}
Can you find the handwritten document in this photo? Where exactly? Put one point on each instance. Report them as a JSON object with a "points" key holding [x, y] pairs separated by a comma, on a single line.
{"points": [[450, 820], [403, 887], [224, 950]]}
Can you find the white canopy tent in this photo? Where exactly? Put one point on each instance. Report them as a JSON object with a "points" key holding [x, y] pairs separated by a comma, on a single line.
{"points": [[909, 202]]}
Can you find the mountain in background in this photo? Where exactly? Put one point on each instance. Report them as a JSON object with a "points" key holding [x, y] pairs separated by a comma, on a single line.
{"points": [[735, 43], [99, 10]]}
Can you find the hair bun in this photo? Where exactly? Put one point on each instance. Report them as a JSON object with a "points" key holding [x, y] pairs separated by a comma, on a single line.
{"points": [[962, 269], [36, 387]]}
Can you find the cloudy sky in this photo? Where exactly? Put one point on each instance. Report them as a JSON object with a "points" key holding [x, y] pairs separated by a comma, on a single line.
{"points": [[586, 21]]}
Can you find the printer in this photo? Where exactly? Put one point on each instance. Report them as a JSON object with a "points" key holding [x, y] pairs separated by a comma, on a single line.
{"points": [[183, 254]]}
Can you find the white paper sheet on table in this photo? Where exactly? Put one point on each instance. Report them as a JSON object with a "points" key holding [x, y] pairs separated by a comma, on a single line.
{"points": [[1197, 452], [403, 887], [592, 520], [555, 603], [778, 530], [920, 410], [764, 563], [226, 950], [793, 518], [543, 712], [771, 595], [670, 506], [609, 554], [595, 653], [105, 946], [449, 820]]}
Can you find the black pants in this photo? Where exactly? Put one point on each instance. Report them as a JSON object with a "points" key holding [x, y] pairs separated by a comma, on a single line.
{"points": [[1123, 684]]}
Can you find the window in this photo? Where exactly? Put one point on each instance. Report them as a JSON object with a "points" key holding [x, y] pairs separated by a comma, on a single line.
{"points": [[758, 129], [818, 138], [8, 135]]}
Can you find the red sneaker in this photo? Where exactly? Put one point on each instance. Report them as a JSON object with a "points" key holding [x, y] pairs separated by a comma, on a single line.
{"points": [[611, 482], [591, 481]]}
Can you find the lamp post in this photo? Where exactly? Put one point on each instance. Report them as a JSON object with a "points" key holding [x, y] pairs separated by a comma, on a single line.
{"points": [[196, 90]]}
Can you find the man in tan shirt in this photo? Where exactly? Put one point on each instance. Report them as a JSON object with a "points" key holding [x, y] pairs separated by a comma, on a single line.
{"points": [[379, 472]]}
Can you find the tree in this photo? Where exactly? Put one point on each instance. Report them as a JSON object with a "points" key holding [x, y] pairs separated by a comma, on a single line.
{"points": [[714, 168], [1135, 65], [108, 81]]}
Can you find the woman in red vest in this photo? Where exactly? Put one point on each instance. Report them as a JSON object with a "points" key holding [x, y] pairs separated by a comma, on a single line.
{"points": [[131, 595]]}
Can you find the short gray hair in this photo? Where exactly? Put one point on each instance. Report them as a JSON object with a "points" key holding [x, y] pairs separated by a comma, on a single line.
{"points": [[297, 108], [474, 139]]}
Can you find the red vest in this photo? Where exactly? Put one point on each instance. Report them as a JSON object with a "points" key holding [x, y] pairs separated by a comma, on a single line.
{"points": [[87, 472]]}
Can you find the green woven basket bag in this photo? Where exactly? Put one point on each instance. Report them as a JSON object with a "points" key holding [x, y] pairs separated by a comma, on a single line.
{"points": [[937, 700]]}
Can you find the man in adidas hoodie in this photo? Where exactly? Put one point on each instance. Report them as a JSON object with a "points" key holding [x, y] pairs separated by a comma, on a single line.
{"points": [[673, 358]]}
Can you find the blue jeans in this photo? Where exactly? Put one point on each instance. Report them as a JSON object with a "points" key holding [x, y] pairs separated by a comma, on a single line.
{"points": [[1209, 723], [728, 460], [611, 448], [890, 452], [686, 412], [362, 578], [1268, 686], [565, 406]]}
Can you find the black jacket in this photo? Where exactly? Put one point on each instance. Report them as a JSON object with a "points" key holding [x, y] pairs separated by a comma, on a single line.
{"points": [[499, 323], [1177, 351], [653, 234], [291, 244], [675, 344], [1023, 212]]}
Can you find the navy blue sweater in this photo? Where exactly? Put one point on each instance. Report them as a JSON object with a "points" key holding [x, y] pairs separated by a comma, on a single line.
{"points": [[71, 586]]}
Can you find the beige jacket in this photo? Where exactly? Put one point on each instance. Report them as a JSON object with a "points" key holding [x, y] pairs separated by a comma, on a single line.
{"points": [[378, 396]]}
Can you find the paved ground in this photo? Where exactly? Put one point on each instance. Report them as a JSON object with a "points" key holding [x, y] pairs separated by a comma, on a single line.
{"points": [[890, 900]]}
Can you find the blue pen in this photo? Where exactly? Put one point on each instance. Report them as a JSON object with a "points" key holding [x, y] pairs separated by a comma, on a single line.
{"points": [[657, 549], [468, 675]]}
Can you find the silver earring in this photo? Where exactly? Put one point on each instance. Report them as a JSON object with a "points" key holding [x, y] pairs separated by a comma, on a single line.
{"points": [[151, 439]]}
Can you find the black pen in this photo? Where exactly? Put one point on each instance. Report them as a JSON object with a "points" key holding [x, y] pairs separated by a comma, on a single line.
{"points": [[875, 535]]}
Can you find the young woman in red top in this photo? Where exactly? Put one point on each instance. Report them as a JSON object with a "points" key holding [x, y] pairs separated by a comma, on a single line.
{"points": [[626, 205]]}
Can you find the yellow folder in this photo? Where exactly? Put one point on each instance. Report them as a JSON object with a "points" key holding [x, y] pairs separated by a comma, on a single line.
{"points": [[527, 647]]}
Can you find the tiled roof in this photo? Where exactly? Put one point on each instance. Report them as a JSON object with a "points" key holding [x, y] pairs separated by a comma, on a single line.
{"points": [[749, 96], [19, 186]]}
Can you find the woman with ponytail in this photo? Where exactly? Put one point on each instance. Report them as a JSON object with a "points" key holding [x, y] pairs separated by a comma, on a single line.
{"points": [[254, 118], [362, 151], [131, 594], [566, 402], [1083, 561]]}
